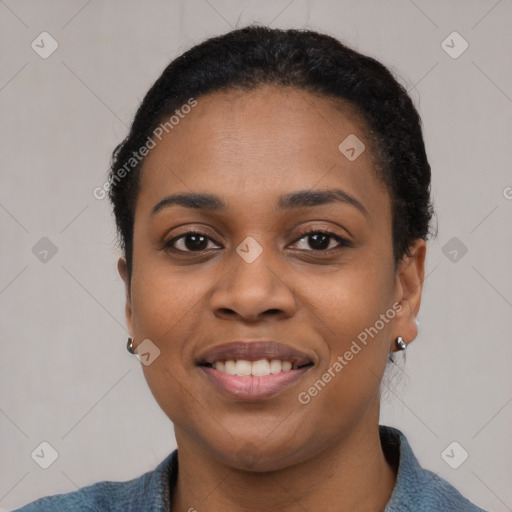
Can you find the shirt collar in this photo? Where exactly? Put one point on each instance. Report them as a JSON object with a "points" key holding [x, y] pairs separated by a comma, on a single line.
{"points": [[411, 478]]}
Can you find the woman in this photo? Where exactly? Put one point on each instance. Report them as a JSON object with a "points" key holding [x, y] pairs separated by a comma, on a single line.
{"points": [[273, 204]]}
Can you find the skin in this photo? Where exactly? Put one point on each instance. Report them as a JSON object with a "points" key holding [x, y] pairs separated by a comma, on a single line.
{"points": [[250, 148]]}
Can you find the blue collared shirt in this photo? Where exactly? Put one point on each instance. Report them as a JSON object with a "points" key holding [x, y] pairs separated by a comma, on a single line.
{"points": [[416, 489]]}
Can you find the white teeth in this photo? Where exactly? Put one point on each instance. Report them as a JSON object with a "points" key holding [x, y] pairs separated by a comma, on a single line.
{"points": [[229, 367], [286, 366], [243, 367], [259, 368], [275, 366]]}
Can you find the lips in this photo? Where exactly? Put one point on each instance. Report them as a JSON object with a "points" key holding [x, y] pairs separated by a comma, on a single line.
{"points": [[289, 366], [254, 351]]}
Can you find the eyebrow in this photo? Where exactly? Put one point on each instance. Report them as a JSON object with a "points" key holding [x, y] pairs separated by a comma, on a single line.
{"points": [[299, 199]]}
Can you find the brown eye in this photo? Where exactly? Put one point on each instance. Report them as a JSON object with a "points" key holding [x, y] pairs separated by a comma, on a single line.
{"points": [[191, 241], [321, 241]]}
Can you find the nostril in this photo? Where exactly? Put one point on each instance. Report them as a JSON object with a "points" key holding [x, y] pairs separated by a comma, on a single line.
{"points": [[227, 311]]}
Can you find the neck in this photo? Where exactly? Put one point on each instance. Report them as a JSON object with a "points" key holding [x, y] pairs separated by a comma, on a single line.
{"points": [[352, 475]]}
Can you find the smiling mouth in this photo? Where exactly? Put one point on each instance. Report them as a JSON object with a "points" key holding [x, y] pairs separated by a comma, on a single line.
{"points": [[253, 370], [258, 368]]}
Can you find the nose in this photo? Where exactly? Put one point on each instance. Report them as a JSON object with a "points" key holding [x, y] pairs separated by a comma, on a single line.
{"points": [[253, 291]]}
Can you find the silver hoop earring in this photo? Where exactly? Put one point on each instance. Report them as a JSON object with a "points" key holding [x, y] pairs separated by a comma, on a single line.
{"points": [[400, 343], [129, 346]]}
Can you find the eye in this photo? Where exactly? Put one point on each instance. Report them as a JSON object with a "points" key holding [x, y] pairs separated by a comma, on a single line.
{"points": [[191, 241], [321, 240]]}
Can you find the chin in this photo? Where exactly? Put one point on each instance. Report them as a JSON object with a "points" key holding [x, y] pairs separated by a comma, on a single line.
{"points": [[260, 456]]}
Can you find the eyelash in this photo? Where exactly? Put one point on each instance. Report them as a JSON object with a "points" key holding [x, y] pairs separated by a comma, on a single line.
{"points": [[343, 242]]}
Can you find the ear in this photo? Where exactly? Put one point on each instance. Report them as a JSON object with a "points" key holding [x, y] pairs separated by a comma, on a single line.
{"points": [[122, 268], [408, 287]]}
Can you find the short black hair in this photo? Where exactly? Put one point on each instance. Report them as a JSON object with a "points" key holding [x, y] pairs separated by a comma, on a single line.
{"points": [[307, 60]]}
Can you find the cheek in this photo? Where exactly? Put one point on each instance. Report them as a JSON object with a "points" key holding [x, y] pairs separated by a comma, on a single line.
{"points": [[352, 300], [354, 312], [166, 306], [162, 313]]}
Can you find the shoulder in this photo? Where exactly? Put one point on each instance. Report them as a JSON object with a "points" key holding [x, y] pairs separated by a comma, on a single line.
{"points": [[95, 497], [438, 494], [417, 488], [148, 492]]}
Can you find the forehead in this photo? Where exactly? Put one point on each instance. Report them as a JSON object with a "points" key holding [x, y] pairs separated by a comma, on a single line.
{"points": [[260, 144]]}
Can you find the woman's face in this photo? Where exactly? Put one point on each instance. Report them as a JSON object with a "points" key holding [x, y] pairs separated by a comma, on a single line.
{"points": [[331, 300]]}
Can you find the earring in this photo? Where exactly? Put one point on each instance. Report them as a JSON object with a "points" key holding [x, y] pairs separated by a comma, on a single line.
{"points": [[129, 346], [400, 343]]}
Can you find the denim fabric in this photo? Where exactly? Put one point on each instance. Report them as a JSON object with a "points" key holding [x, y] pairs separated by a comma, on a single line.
{"points": [[416, 489]]}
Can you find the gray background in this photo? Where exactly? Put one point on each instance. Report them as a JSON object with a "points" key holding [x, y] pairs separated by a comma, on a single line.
{"points": [[65, 376]]}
